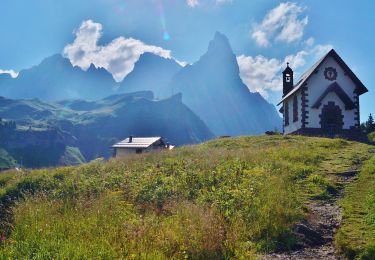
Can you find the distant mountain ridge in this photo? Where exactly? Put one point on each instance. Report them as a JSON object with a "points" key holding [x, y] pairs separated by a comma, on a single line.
{"points": [[151, 72], [55, 79], [90, 128], [211, 88]]}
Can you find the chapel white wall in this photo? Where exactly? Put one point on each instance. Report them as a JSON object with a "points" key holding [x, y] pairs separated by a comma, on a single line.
{"points": [[294, 126], [317, 84]]}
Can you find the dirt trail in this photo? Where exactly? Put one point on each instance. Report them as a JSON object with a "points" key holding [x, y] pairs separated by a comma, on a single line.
{"points": [[316, 233]]}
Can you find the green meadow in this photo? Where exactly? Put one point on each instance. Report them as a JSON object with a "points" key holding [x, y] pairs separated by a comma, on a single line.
{"points": [[227, 198]]}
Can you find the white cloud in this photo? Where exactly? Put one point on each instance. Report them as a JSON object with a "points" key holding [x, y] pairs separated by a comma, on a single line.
{"points": [[283, 23], [118, 57], [310, 41], [12, 73], [261, 38], [262, 74], [192, 3], [259, 73], [297, 60], [319, 50], [293, 30]]}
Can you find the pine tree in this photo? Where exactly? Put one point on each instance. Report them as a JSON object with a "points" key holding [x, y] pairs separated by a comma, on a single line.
{"points": [[370, 124]]}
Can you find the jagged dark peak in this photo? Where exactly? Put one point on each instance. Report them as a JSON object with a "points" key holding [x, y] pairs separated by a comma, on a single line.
{"points": [[5, 76], [101, 70], [219, 54], [92, 67], [219, 43], [177, 98], [148, 57], [55, 59], [219, 59]]}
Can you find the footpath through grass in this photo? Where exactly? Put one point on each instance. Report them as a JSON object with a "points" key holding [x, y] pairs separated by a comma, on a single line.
{"points": [[228, 198]]}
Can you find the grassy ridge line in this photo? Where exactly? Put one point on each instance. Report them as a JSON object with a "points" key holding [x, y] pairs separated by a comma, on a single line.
{"points": [[226, 198], [356, 237]]}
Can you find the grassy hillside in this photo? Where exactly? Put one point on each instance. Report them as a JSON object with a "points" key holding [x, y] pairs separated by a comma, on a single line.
{"points": [[226, 198], [356, 236]]}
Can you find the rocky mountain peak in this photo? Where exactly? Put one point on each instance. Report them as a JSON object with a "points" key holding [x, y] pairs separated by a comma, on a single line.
{"points": [[219, 45]]}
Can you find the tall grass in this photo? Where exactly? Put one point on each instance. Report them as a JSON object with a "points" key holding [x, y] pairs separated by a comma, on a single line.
{"points": [[356, 237], [223, 199]]}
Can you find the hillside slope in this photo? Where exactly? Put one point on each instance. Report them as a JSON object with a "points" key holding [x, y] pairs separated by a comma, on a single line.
{"points": [[6, 160], [94, 126], [228, 198], [34, 148], [124, 115]]}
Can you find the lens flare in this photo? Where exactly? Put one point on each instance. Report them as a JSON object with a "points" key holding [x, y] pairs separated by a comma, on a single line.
{"points": [[166, 35]]}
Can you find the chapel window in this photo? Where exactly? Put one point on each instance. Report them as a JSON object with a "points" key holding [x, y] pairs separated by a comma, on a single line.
{"points": [[295, 109]]}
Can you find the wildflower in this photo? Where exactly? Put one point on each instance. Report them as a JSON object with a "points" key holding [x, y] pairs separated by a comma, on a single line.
{"points": [[2, 238]]}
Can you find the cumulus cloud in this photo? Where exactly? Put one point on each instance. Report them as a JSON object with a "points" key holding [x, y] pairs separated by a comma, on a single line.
{"points": [[283, 23], [192, 3], [118, 57], [12, 73], [310, 41], [319, 50], [259, 73], [262, 74]]}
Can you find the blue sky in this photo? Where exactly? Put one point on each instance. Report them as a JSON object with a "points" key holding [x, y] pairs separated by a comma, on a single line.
{"points": [[264, 34]]}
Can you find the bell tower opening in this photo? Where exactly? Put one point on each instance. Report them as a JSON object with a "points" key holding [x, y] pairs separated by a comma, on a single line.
{"points": [[287, 80]]}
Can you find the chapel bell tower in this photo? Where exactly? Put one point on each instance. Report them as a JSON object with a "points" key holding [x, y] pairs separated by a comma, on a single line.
{"points": [[287, 80]]}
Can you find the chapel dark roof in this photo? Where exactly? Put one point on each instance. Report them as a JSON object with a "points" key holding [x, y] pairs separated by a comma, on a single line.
{"points": [[361, 89]]}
